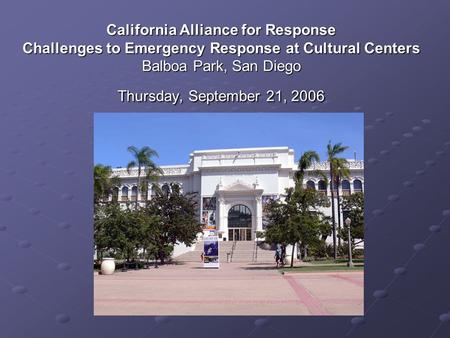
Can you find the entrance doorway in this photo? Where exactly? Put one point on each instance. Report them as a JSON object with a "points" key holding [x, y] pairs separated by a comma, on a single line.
{"points": [[240, 223], [236, 234]]}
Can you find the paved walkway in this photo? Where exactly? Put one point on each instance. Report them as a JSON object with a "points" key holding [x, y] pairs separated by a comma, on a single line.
{"points": [[234, 289]]}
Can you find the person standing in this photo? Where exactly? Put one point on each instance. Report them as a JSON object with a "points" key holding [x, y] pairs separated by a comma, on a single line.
{"points": [[278, 255]]}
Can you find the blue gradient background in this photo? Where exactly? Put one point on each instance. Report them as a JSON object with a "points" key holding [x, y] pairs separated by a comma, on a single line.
{"points": [[46, 159]]}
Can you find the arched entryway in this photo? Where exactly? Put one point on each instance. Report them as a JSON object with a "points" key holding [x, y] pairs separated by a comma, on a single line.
{"points": [[239, 223]]}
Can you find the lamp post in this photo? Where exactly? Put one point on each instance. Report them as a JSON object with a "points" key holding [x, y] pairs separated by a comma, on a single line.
{"points": [[348, 222]]}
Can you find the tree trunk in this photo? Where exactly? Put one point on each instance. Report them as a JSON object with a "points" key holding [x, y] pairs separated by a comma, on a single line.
{"points": [[333, 211], [162, 257], [138, 185], [339, 212], [156, 260], [292, 255]]}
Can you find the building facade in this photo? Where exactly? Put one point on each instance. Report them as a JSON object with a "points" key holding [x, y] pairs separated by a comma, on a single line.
{"points": [[234, 185]]}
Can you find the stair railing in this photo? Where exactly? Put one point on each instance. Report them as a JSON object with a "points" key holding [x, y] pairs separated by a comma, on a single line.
{"points": [[233, 247]]}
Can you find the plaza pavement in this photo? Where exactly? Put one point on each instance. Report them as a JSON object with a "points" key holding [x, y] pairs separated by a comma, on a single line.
{"points": [[234, 289]]}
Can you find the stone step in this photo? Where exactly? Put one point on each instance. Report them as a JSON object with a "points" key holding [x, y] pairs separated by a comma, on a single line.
{"points": [[243, 252]]}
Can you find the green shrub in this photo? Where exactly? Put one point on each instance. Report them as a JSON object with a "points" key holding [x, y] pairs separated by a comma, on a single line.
{"points": [[358, 253]]}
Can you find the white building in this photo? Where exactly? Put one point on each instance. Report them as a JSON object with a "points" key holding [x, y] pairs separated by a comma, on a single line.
{"points": [[233, 185]]}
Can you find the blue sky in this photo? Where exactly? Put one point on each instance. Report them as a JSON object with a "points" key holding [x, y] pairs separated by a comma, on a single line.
{"points": [[175, 135]]}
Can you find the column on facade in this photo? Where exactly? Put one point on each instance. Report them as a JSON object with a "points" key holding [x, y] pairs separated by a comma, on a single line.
{"points": [[259, 213], [220, 219], [119, 194]]}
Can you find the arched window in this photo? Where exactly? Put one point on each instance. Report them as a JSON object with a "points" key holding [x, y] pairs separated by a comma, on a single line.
{"points": [[322, 186], [165, 189], [310, 185], [124, 194], [239, 216], [345, 188], [134, 193], [357, 186]]}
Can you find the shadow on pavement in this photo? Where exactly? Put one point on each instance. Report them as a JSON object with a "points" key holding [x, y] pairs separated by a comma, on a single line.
{"points": [[261, 267]]}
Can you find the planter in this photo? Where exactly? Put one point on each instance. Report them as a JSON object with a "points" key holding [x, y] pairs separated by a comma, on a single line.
{"points": [[108, 266]]}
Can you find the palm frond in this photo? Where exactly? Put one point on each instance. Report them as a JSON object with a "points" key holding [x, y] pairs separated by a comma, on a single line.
{"points": [[305, 161], [322, 175], [335, 149], [131, 165], [134, 150], [149, 152], [340, 168]]}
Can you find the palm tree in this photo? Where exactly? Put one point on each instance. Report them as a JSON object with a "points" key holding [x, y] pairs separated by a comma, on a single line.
{"points": [[143, 161], [305, 161], [104, 182], [151, 175], [332, 152], [341, 171]]}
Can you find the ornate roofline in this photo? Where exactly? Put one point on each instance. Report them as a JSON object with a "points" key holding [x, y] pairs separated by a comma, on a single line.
{"points": [[325, 165], [241, 168], [243, 150], [186, 169], [178, 170]]}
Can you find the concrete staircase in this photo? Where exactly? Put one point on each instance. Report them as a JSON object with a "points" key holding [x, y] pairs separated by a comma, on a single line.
{"points": [[243, 252], [191, 256], [194, 255]]}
